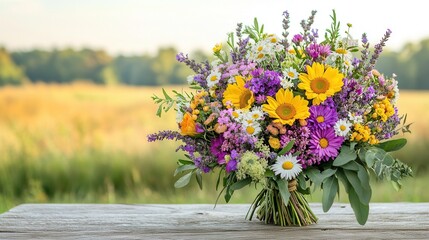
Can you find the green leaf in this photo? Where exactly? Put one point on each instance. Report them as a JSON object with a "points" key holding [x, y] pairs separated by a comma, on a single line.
{"points": [[330, 188], [269, 173], [185, 161], [159, 111], [364, 178], [287, 148], [241, 183], [346, 155], [314, 175], [353, 166], [284, 191], [228, 194], [199, 178], [168, 98], [183, 181], [183, 168], [301, 182], [392, 145], [364, 195], [388, 160], [318, 177], [361, 210]]}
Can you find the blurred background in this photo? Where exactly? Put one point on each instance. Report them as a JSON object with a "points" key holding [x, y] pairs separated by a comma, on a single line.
{"points": [[76, 80]]}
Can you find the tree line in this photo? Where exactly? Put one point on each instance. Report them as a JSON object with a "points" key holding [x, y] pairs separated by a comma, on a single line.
{"points": [[68, 65]]}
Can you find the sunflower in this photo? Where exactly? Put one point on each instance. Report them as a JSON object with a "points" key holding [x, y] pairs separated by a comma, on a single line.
{"points": [[238, 95], [319, 83], [286, 108]]}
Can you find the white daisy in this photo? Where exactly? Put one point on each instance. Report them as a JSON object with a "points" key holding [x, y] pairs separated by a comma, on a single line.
{"points": [[287, 167], [342, 127], [290, 73], [252, 127], [238, 115], [255, 113], [213, 78], [286, 83]]}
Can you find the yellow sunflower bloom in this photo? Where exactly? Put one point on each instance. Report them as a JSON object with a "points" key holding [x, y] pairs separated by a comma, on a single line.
{"points": [[238, 95], [319, 83], [286, 108]]}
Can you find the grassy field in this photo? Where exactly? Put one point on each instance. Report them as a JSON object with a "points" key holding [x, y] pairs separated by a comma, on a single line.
{"points": [[85, 143]]}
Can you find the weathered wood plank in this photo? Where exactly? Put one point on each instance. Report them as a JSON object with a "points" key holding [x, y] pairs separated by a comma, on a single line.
{"points": [[201, 221]]}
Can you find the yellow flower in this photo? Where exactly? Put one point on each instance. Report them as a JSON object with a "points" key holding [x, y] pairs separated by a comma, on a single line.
{"points": [[286, 108], [217, 48], [319, 83], [238, 95], [274, 142], [188, 126]]}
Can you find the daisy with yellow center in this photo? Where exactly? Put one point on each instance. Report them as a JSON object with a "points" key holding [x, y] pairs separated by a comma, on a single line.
{"points": [[287, 167], [239, 96], [286, 108], [320, 83], [342, 127]]}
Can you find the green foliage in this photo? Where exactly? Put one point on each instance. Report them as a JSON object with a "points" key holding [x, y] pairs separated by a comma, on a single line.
{"points": [[9, 72]]}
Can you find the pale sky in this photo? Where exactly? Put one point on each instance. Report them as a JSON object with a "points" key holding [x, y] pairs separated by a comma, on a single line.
{"points": [[142, 26]]}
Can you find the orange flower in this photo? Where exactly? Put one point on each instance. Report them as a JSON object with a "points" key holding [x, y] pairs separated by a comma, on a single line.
{"points": [[188, 126]]}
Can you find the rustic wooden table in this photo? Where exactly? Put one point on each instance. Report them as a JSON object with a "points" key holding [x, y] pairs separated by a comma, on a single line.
{"points": [[201, 221]]}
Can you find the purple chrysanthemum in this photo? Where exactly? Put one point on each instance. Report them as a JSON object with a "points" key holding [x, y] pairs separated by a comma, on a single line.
{"points": [[315, 50], [322, 117], [325, 144]]}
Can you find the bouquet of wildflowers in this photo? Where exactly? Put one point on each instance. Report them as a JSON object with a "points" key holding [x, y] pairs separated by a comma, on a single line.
{"points": [[289, 113]]}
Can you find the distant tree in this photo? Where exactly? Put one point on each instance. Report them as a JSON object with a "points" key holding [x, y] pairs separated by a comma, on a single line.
{"points": [[166, 67], [10, 73], [65, 65], [136, 70]]}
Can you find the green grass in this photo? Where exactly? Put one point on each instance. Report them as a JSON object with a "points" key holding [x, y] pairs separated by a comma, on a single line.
{"points": [[87, 144], [108, 177]]}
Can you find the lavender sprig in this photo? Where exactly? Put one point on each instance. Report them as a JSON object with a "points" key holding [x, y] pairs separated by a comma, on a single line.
{"points": [[378, 48], [285, 33], [306, 25], [196, 67]]}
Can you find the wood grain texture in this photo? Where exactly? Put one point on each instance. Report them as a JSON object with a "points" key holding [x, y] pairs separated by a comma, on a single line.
{"points": [[202, 221]]}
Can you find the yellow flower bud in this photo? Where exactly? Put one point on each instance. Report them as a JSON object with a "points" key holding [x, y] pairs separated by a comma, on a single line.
{"points": [[217, 48]]}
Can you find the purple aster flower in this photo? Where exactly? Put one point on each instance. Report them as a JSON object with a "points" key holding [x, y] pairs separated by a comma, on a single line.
{"points": [[216, 150], [322, 117], [325, 144]]}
